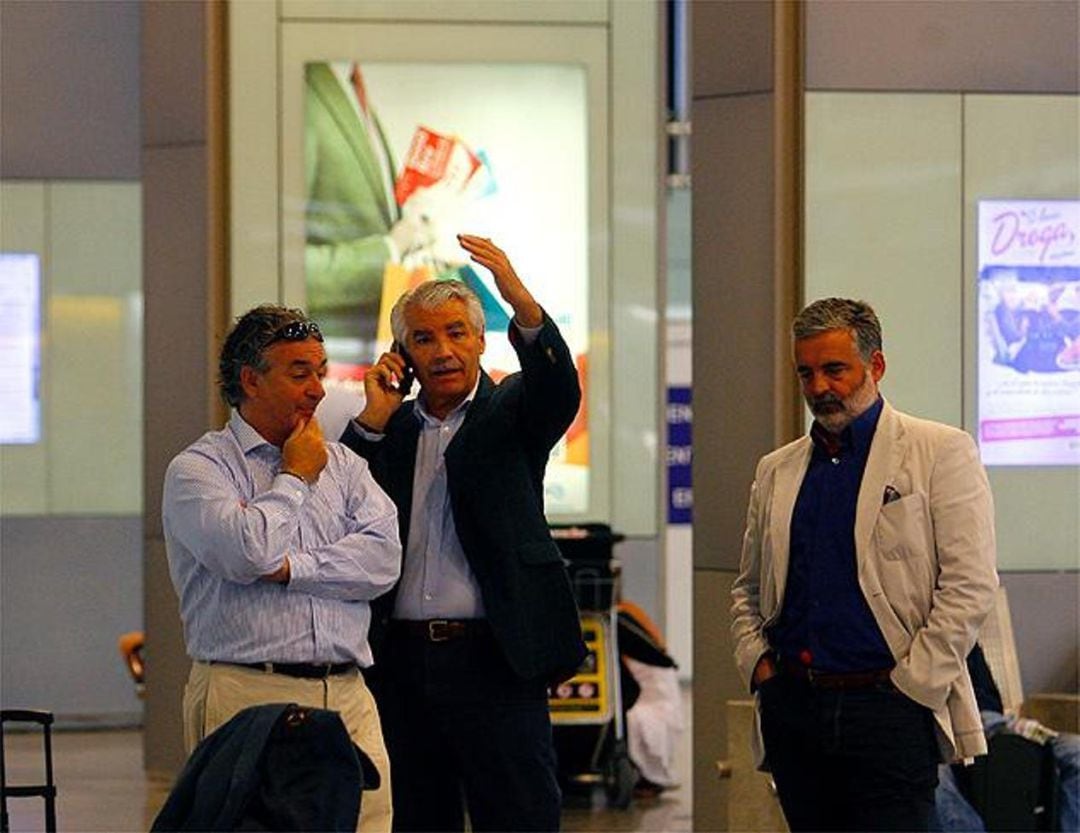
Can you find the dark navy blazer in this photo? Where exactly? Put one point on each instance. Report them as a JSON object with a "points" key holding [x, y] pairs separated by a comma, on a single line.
{"points": [[495, 474], [273, 767]]}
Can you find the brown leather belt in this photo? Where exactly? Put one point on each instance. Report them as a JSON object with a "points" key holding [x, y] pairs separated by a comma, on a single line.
{"points": [[850, 681], [440, 630], [303, 670]]}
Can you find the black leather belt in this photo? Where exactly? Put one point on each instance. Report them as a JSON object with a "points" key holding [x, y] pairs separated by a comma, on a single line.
{"points": [[440, 630], [851, 681], [303, 670]]}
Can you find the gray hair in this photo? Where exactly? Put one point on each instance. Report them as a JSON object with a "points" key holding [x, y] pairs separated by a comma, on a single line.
{"points": [[431, 295], [840, 314], [246, 343]]}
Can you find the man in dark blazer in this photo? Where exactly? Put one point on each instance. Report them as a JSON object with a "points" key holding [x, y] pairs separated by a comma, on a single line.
{"points": [[483, 618]]}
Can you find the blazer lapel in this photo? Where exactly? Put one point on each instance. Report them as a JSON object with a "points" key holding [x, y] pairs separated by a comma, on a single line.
{"points": [[329, 90], [392, 202], [403, 449], [474, 416], [886, 454], [786, 483]]}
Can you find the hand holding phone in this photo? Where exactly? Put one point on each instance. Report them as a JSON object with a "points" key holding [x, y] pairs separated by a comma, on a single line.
{"points": [[405, 383], [386, 384]]}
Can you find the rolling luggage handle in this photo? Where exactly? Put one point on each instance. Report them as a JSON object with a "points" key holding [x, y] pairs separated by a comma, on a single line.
{"points": [[47, 790]]}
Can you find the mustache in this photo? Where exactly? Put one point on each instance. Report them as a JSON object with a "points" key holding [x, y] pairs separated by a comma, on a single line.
{"points": [[826, 403]]}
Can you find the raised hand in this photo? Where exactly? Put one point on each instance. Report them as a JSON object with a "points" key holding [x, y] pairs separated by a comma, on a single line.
{"points": [[527, 312]]}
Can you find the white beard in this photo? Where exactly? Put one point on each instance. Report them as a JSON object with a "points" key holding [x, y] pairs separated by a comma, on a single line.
{"points": [[835, 421]]}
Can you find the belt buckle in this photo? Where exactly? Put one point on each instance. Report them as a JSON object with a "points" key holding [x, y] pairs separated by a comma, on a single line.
{"points": [[437, 626]]}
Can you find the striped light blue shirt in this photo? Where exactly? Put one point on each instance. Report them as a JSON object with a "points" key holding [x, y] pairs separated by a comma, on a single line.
{"points": [[230, 517]]}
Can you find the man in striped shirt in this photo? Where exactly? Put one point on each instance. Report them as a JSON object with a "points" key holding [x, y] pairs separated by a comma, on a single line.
{"points": [[277, 542]]}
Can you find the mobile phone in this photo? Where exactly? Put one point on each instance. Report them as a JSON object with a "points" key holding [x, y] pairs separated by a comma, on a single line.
{"points": [[409, 376]]}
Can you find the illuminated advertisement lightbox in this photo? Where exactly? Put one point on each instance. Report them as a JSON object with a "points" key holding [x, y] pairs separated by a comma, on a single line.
{"points": [[401, 157], [1029, 332], [20, 348]]}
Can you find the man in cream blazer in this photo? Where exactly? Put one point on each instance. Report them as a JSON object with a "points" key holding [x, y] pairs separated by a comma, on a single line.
{"points": [[867, 568]]}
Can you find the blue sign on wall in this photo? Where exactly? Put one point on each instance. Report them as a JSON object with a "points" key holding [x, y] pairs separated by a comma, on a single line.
{"points": [[680, 457]]}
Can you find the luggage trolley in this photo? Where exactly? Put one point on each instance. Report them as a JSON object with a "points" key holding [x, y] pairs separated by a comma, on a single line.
{"points": [[587, 710]]}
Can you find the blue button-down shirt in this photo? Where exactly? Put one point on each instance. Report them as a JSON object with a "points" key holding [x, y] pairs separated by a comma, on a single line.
{"points": [[230, 517], [436, 580], [825, 621]]}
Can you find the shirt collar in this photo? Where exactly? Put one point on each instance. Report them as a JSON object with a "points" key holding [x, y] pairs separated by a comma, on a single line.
{"points": [[247, 436], [856, 436], [423, 415]]}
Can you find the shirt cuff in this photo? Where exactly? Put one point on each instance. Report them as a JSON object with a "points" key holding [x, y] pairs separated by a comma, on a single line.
{"points": [[302, 568], [367, 433], [528, 334], [294, 488]]}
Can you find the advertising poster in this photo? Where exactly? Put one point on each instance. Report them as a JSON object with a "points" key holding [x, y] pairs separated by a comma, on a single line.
{"points": [[399, 159], [1029, 332]]}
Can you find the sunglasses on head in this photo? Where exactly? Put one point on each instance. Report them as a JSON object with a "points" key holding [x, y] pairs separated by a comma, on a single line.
{"points": [[297, 331]]}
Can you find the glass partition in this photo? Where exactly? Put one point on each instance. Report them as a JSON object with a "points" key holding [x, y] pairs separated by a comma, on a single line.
{"points": [[896, 184]]}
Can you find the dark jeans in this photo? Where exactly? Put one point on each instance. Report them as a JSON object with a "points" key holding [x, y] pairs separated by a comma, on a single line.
{"points": [[462, 730], [856, 760]]}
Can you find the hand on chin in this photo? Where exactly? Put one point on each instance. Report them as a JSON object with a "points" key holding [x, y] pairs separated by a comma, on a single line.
{"points": [[297, 420]]}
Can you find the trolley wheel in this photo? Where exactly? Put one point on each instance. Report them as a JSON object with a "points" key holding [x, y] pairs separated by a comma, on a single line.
{"points": [[620, 777]]}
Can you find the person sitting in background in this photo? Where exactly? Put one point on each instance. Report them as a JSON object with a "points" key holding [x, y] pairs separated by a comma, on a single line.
{"points": [[953, 812], [650, 693]]}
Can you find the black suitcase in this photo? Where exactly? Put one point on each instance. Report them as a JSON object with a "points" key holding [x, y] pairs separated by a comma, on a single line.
{"points": [[1013, 788]]}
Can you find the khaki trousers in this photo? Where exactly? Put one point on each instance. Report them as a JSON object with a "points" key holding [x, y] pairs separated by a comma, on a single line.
{"points": [[216, 692]]}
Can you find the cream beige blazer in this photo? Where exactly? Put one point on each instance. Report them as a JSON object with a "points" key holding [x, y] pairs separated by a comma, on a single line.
{"points": [[926, 562]]}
